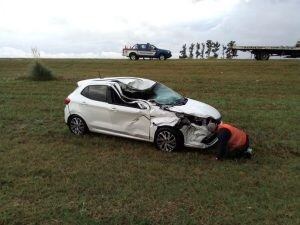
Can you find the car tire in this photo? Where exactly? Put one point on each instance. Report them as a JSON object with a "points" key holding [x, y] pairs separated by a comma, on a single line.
{"points": [[133, 56], [168, 139], [77, 125], [162, 57]]}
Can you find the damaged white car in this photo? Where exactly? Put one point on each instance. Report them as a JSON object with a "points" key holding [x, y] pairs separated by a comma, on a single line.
{"points": [[140, 109]]}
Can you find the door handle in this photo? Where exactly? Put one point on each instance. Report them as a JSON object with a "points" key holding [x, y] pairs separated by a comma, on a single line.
{"points": [[113, 109], [83, 103]]}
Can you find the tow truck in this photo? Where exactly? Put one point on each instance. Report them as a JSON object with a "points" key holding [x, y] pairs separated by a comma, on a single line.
{"points": [[264, 52], [146, 51]]}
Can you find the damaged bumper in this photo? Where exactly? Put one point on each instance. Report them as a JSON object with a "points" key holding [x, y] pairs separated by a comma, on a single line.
{"points": [[198, 136], [194, 129]]}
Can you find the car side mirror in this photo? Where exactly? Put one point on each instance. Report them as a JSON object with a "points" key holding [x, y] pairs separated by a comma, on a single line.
{"points": [[143, 105]]}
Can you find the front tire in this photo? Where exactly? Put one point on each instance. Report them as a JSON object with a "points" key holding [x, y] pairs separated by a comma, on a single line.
{"points": [[162, 57], [167, 139], [77, 125]]}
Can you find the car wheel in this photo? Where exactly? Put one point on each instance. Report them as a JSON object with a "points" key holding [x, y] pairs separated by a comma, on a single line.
{"points": [[77, 125], [162, 57], [167, 139], [133, 56]]}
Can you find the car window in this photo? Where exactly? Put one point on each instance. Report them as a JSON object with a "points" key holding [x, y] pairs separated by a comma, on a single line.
{"points": [[143, 47], [116, 100], [85, 92], [95, 92]]}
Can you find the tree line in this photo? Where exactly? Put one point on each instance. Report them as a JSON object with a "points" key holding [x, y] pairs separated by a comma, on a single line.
{"points": [[207, 50]]}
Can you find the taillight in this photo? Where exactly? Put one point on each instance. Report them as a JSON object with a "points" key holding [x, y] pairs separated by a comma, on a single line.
{"points": [[67, 101]]}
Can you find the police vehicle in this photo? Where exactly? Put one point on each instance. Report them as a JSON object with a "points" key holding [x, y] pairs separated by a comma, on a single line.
{"points": [[146, 51]]}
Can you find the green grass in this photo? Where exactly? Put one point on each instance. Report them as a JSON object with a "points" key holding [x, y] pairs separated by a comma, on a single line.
{"points": [[49, 176]]}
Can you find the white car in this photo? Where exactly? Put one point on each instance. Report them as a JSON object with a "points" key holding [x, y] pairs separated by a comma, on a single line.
{"points": [[140, 109]]}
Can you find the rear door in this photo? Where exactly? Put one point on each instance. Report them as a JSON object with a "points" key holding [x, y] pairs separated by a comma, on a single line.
{"points": [[95, 108], [129, 119]]}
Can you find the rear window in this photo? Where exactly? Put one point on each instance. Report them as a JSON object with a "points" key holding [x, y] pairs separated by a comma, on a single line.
{"points": [[95, 92]]}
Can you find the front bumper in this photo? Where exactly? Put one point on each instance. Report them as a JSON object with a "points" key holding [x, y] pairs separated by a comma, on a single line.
{"points": [[201, 145], [168, 56]]}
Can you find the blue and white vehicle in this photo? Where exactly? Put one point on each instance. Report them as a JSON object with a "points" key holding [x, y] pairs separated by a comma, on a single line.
{"points": [[146, 51]]}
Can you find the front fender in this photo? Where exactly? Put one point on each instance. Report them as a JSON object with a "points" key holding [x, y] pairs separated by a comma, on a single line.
{"points": [[161, 122]]}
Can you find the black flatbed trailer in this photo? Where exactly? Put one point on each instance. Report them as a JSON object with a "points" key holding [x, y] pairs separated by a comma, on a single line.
{"points": [[264, 52]]}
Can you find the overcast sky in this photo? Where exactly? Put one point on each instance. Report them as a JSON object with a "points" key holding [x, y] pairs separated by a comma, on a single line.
{"points": [[101, 28]]}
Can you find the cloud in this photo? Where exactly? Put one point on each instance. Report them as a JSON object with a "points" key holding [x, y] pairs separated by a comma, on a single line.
{"points": [[8, 52], [93, 28]]}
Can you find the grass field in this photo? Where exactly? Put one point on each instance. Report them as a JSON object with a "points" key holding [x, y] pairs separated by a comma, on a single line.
{"points": [[49, 176]]}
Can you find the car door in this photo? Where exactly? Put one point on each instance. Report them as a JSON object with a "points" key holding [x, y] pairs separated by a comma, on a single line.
{"points": [[95, 108], [152, 50], [142, 50], [129, 119]]}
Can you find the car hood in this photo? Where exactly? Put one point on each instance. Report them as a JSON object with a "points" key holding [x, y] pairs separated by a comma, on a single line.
{"points": [[196, 108], [164, 50]]}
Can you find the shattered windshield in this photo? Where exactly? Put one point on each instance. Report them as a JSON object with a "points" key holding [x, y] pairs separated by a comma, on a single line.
{"points": [[166, 96]]}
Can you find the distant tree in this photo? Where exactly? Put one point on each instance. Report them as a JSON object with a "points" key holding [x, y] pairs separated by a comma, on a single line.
{"points": [[197, 50], [183, 52], [209, 45], [230, 53], [215, 49], [223, 51], [191, 50], [202, 50], [35, 53]]}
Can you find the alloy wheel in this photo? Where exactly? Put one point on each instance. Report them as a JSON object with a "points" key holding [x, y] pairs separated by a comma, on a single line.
{"points": [[77, 126], [166, 141]]}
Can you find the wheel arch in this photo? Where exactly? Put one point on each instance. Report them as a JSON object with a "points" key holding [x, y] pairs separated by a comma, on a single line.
{"points": [[73, 115], [162, 53], [133, 53]]}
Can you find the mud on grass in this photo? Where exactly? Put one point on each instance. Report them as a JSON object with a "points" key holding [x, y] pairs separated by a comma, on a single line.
{"points": [[49, 176]]}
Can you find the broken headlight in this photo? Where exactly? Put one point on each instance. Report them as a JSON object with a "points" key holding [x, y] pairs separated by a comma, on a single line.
{"points": [[198, 120]]}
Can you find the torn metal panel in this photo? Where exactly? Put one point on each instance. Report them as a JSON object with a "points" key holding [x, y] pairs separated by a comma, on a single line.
{"points": [[161, 118], [194, 135]]}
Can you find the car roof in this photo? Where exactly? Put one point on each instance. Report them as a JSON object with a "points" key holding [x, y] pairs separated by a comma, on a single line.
{"points": [[134, 82]]}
